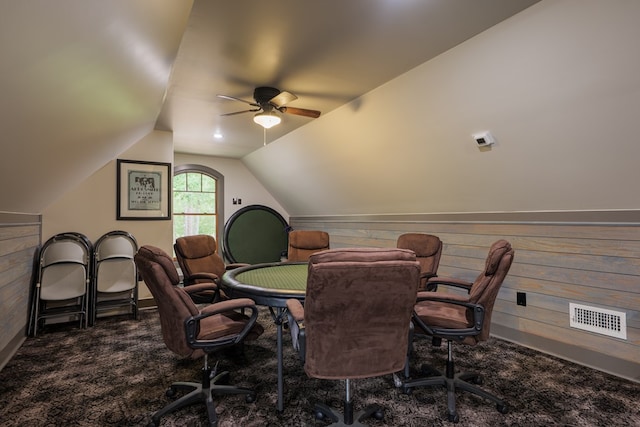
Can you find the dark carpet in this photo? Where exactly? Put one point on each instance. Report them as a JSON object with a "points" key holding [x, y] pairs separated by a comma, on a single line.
{"points": [[116, 374]]}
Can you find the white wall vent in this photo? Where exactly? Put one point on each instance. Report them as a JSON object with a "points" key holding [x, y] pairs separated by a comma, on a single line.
{"points": [[599, 320]]}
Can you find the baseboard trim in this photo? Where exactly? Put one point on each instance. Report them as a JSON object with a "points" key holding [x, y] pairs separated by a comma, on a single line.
{"points": [[12, 348], [147, 303], [592, 359]]}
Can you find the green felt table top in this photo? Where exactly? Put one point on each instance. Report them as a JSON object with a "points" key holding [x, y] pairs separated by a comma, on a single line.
{"points": [[281, 277], [270, 284]]}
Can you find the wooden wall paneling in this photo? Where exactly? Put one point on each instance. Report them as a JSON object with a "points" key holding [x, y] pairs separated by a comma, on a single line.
{"points": [[20, 237], [621, 349], [555, 263]]}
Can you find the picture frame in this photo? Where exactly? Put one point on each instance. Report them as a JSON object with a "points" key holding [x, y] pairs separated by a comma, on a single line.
{"points": [[143, 190]]}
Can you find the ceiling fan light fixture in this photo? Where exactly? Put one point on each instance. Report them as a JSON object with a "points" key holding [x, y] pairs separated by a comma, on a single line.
{"points": [[267, 119]]}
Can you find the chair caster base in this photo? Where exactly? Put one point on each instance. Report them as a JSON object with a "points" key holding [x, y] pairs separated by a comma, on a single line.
{"points": [[503, 409], [323, 412]]}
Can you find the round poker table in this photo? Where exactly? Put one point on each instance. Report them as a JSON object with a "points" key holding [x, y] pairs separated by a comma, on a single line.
{"points": [[269, 284]]}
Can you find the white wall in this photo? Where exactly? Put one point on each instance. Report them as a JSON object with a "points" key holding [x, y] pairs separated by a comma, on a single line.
{"points": [[90, 208], [558, 87], [239, 183], [81, 82]]}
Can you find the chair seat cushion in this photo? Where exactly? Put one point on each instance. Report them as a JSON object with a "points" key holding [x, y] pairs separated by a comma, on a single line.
{"points": [[437, 314], [220, 325]]}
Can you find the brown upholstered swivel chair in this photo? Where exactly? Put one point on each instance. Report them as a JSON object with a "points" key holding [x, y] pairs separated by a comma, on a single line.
{"points": [[465, 319], [356, 315], [428, 249], [193, 333], [200, 262], [303, 243]]}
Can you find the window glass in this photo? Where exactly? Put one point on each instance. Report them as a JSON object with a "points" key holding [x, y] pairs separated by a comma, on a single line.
{"points": [[195, 202]]}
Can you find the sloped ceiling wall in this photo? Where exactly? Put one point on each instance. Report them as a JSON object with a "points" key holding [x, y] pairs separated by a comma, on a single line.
{"points": [[87, 78], [558, 87]]}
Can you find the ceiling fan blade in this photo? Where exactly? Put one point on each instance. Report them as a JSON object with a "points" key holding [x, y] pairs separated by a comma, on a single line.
{"points": [[240, 112], [282, 99], [300, 112], [233, 98]]}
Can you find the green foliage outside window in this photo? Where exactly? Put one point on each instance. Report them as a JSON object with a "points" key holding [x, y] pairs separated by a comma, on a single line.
{"points": [[194, 204]]}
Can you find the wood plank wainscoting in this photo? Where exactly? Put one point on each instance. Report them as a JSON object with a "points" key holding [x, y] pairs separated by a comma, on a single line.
{"points": [[20, 237], [585, 257]]}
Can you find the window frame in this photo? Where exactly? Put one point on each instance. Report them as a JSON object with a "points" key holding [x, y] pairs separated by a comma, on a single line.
{"points": [[194, 168]]}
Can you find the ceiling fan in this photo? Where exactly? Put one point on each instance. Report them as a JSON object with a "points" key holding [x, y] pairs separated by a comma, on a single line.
{"points": [[267, 101]]}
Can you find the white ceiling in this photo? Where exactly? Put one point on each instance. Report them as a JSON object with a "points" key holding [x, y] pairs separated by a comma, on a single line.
{"points": [[82, 81], [326, 52]]}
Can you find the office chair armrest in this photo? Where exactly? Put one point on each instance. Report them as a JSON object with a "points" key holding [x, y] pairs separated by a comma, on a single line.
{"points": [[295, 310], [200, 287], [198, 276], [449, 281], [192, 324], [428, 277], [197, 288], [295, 315], [457, 334], [440, 296], [224, 306]]}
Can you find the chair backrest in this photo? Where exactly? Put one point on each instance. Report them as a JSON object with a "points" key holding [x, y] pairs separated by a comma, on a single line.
{"points": [[357, 311], [60, 251], [428, 249], [198, 254], [64, 267], [485, 288], [115, 244], [174, 304], [115, 270], [304, 243]]}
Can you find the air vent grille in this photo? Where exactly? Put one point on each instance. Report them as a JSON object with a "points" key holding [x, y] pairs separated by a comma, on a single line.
{"points": [[599, 320]]}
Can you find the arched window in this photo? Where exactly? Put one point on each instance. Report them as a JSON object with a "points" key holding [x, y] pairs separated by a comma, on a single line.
{"points": [[198, 201]]}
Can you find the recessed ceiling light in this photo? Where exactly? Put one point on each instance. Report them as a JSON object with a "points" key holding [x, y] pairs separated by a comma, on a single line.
{"points": [[217, 135]]}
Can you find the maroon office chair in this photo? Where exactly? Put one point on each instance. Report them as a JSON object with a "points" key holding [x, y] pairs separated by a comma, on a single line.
{"points": [[465, 319], [304, 243], [428, 249], [200, 262], [192, 333], [355, 320]]}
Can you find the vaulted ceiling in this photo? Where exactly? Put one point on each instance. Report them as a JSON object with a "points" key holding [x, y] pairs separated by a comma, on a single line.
{"points": [[325, 52], [82, 81]]}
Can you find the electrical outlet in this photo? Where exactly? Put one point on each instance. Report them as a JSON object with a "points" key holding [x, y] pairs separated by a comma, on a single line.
{"points": [[521, 299]]}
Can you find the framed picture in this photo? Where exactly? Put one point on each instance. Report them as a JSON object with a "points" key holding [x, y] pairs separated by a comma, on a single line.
{"points": [[144, 190]]}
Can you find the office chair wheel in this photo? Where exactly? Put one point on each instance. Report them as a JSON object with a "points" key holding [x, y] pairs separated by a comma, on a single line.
{"points": [[503, 409], [397, 382], [378, 414], [454, 418], [152, 424], [407, 390], [170, 393], [250, 398], [477, 380], [319, 415]]}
